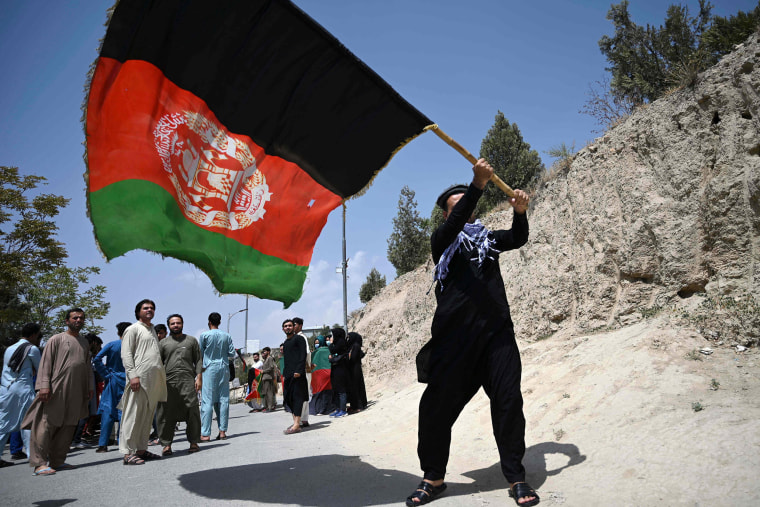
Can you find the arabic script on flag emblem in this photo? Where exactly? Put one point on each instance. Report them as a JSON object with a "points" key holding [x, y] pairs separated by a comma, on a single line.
{"points": [[214, 173]]}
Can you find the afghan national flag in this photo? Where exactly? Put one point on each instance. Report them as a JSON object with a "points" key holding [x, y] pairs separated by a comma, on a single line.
{"points": [[224, 132], [255, 387], [320, 381], [245, 365]]}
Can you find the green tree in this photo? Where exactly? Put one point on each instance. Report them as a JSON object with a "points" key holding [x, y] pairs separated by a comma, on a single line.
{"points": [[372, 286], [436, 218], [725, 33], [511, 157], [646, 61], [408, 245], [27, 229], [32, 268], [54, 291]]}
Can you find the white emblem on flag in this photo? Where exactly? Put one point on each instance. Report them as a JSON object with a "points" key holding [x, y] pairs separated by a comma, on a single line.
{"points": [[214, 174]]}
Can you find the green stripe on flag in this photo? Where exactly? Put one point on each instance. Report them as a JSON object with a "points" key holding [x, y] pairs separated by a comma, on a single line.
{"points": [[136, 214]]}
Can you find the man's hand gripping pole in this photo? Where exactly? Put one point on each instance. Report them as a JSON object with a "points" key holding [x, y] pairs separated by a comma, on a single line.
{"points": [[471, 158]]}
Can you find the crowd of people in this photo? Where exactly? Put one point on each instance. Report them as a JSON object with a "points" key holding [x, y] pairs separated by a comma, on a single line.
{"points": [[71, 391], [321, 377]]}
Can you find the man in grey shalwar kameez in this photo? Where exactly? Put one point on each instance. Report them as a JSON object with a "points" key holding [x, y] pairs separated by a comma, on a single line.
{"points": [[146, 386], [183, 362]]}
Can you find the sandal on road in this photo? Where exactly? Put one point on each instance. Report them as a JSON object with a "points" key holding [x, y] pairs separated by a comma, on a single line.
{"points": [[291, 431], [522, 490], [194, 448], [44, 471], [167, 451], [133, 459], [425, 493]]}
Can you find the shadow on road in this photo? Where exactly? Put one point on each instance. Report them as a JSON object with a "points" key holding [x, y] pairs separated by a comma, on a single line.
{"points": [[535, 467], [318, 426], [358, 483]]}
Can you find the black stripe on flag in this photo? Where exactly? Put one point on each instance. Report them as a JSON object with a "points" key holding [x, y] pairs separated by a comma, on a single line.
{"points": [[267, 70]]}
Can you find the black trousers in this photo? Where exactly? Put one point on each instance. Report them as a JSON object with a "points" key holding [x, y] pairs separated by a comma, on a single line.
{"points": [[296, 394], [498, 370]]}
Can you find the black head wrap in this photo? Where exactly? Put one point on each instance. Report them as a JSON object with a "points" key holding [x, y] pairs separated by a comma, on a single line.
{"points": [[339, 344], [452, 190], [354, 338]]}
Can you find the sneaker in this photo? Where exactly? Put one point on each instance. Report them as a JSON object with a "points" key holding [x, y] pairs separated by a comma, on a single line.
{"points": [[78, 445], [342, 413], [101, 448], [19, 455], [335, 413]]}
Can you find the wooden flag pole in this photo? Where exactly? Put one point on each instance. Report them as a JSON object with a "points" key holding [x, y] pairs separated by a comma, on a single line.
{"points": [[471, 158]]}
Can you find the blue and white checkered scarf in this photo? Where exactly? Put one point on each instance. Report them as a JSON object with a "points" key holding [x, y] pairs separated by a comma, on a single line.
{"points": [[474, 236]]}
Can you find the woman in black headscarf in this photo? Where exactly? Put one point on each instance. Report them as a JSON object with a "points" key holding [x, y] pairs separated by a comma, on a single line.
{"points": [[339, 376], [357, 394]]}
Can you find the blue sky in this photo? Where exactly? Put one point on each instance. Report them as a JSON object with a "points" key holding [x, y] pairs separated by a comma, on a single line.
{"points": [[457, 62]]}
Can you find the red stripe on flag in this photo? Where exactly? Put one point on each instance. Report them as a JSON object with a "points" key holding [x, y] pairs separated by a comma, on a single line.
{"points": [[320, 381], [142, 126]]}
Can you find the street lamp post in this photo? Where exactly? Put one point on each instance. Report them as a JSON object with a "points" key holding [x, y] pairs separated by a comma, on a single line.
{"points": [[229, 317]]}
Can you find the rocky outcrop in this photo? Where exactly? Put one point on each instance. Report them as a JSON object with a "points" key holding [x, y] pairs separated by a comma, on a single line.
{"points": [[662, 213]]}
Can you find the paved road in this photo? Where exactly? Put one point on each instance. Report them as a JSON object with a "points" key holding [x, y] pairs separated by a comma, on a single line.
{"points": [[256, 465]]}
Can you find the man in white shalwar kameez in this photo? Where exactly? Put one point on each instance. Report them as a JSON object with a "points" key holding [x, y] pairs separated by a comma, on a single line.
{"points": [[146, 385]]}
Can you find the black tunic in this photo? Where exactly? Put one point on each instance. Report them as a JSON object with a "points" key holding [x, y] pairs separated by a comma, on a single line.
{"points": [[357, 392], [296, 389], [472, 306], [339, 375]]}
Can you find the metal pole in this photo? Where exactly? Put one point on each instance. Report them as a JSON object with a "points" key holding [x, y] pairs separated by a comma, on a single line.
{"points": [[229, 317], [345, 274], [245, 345]]}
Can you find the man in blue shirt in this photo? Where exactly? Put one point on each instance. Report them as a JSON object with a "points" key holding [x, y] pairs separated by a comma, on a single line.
{"points": [[113, 374], [217, 350], [20, 364]]}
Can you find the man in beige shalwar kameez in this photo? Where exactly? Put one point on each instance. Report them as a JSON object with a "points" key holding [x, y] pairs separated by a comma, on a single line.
{"points": [[146, 385], [65, 383]]}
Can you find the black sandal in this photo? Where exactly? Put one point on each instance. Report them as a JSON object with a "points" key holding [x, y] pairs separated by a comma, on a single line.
{"points": [[521, 490], [133, 459], [425, 493]]}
